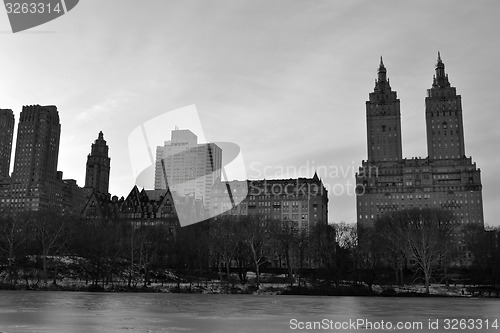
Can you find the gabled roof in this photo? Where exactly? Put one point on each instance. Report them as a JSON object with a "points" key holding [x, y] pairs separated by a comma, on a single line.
{"points": [[156, 195]]}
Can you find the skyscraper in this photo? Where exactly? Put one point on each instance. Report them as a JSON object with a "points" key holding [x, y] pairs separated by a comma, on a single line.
{"points": [[6, 134], [443, 116], [98, 166], [187, 167], [446, 179], [36, 183], [383, 120]]}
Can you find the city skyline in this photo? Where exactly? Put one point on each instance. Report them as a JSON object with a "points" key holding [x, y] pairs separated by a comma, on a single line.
{"points": [[295, 75]]}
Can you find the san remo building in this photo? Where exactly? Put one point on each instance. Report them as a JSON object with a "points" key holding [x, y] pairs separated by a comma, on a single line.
{"points": [[447, 178]]}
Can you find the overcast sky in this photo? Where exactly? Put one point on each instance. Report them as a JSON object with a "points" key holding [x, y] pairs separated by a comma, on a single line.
{"points": [[285, 80]]}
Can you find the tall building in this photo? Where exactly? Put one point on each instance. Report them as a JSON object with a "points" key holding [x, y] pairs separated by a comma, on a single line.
{"points": [[446, 178], [443, 117], [35, 183], [186, 167], [383, 120], [302, 202], [98, 166], [6, 134]]}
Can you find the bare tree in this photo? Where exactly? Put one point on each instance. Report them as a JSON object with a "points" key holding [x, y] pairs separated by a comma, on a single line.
{"points": [[390, 233], [348, 252], [255, 233], [191, 248], [429, 237], [49, 231], [286, 238], [484, 244], [223, 242], [368, 254], [99, 241], [12, 236], [325, 248], [425, 234]]}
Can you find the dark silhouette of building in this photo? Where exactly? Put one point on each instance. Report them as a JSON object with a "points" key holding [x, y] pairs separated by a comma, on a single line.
{"points": [[98, 166], [446, 179], [35, 182], [73, 197], [301, 202], [139, 208], [6, 134]]}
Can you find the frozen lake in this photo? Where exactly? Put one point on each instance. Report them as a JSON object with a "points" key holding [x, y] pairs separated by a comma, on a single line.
{"points": [[23, 311]]}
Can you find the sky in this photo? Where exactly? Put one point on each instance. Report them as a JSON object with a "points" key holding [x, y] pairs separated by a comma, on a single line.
{"points": [[287, 81]]}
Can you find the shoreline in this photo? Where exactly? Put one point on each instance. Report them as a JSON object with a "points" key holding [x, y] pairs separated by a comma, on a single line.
{"points": [[263, 289]]}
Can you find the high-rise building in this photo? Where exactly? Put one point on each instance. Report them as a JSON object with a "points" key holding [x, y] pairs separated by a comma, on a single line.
{"points": [[446, 178], [383, 120], [35, 183], [98, 166], [443, 117], [6, 134], [187, 167]]}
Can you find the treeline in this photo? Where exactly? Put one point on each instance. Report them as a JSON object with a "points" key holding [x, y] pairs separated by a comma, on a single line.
{"points": [[411, 246], [421, 246], [42, 247]]}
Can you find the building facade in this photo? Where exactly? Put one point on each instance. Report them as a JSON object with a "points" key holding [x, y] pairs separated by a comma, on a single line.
{"points": [[6, 134], [35, 183], [301, 202], [98, 166], [139, 208], [186, 167], [446, 178]]}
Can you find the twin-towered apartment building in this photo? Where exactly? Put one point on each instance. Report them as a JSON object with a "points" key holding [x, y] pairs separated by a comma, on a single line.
{"points": [[446, 178]]}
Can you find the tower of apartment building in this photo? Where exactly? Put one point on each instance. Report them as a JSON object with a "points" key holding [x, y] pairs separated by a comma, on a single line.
{"points": [[98, 166], [36, 184], [443, 116], [6, 134], [383, 120]]}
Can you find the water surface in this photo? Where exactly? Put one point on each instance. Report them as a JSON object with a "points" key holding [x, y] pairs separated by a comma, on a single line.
{"points": [[25, 311]]}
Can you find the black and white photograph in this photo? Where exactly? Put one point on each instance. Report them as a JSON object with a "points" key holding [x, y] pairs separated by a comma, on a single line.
{"points": [[249, 166]]}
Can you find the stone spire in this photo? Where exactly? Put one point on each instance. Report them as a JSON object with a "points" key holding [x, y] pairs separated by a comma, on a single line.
{"points": [[382, 72], [98, 166], [441, 78]]}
